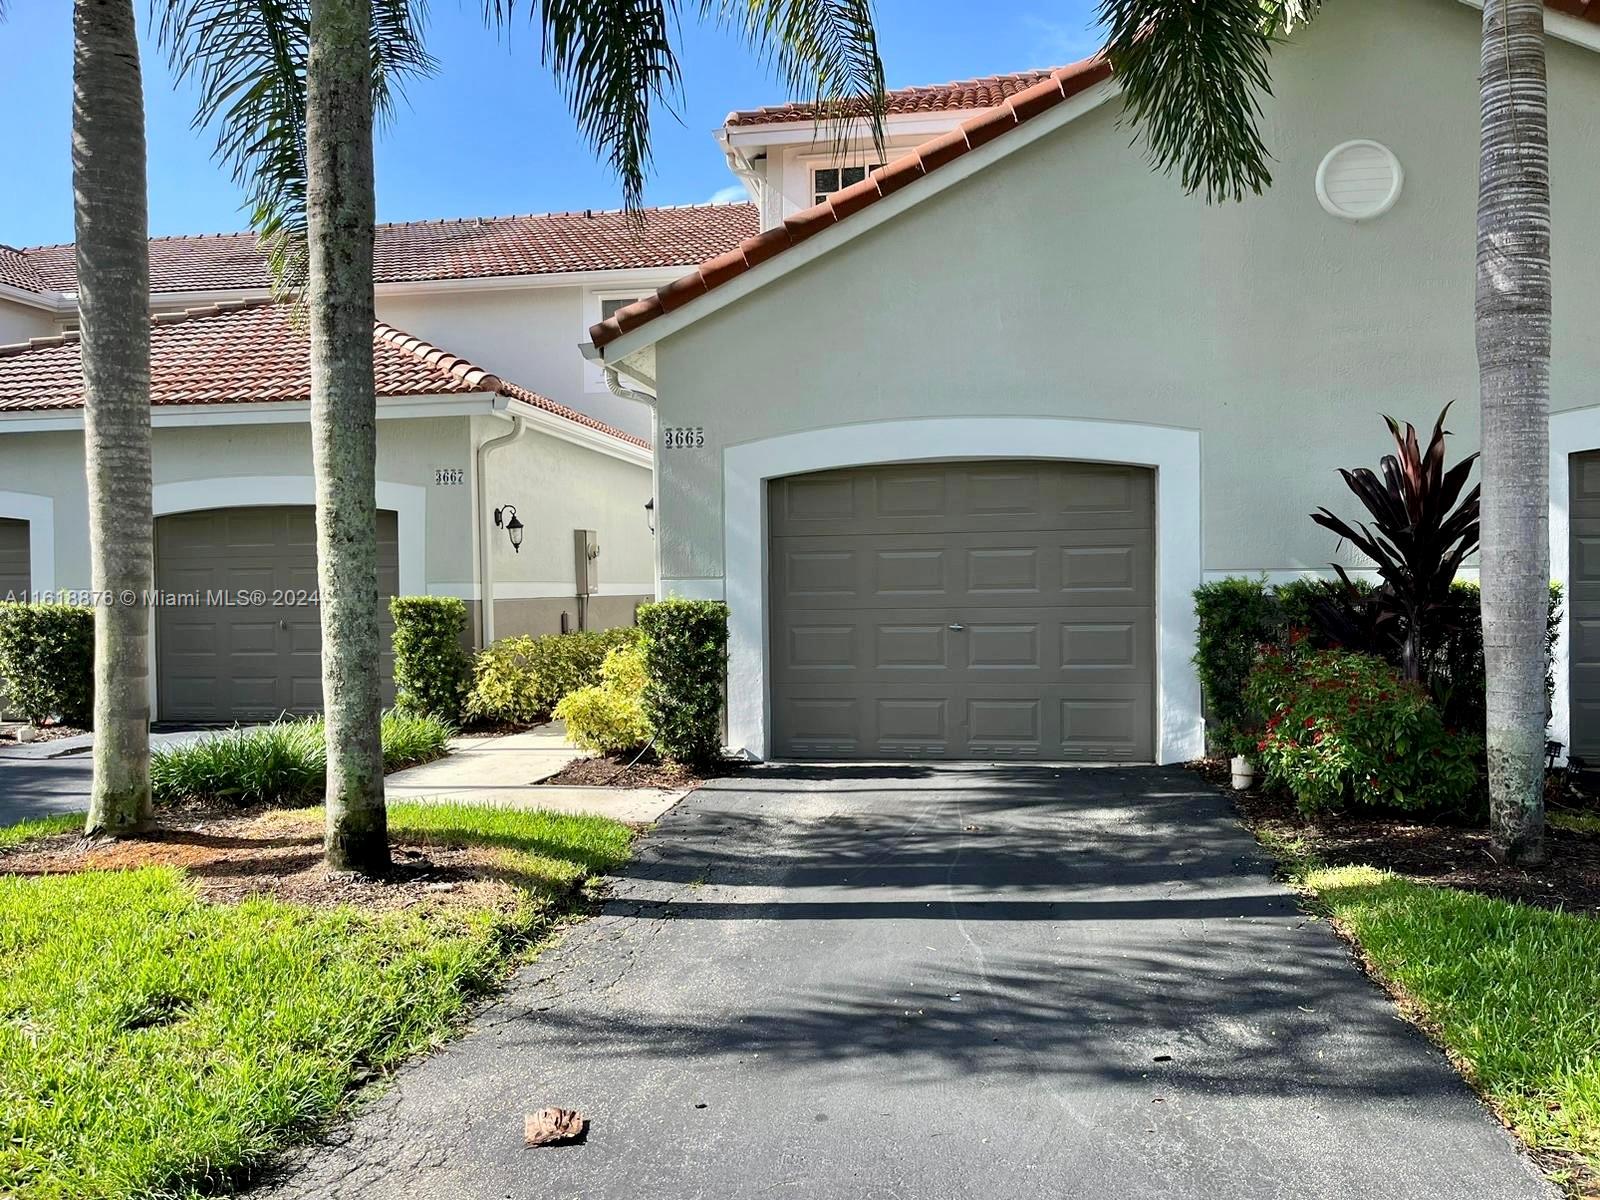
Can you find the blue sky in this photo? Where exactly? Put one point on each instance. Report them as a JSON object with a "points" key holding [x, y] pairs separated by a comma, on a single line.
{"points": [[487, 135]]}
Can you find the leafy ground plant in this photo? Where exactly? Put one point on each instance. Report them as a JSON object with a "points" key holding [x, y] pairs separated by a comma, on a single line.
{"points": [[281, 763], [1511, 991], [154, 1043]]}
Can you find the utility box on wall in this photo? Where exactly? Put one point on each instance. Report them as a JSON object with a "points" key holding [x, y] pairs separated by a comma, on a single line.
{"points": [[586, 561]]}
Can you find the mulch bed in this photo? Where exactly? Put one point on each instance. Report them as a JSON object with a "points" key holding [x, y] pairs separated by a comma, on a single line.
{"points": [[234, 854], [1450, 855], [648, 773]]}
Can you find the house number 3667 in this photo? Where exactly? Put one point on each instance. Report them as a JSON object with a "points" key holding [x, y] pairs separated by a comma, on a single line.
{"points": [[684, 437]]}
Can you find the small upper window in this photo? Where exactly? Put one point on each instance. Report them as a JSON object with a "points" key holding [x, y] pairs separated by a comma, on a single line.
{"points": [[827, 180], [609, 306]]}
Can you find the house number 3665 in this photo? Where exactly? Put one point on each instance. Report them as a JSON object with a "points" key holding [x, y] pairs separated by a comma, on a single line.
{"points": [[685, 437]]}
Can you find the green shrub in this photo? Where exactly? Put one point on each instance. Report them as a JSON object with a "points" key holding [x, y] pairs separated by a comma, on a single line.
{"points": [[608, 718], [1342, 729], [430, 665], [47, 661], [519, 680], [686, 654], [282, 763], [1236, 617]]}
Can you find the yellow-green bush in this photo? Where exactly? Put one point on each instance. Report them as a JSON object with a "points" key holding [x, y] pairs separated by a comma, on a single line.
{"points": [[608, 718], [519, 680]]}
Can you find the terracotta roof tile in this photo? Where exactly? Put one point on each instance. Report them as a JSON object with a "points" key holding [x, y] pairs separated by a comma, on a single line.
{"points": [[18, 271], [962, 95], [253, 353], [419, 251], [1023, 104]]}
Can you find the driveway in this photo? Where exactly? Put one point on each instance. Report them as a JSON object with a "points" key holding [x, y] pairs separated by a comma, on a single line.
{"points": [[40, 786], [938, 983]]}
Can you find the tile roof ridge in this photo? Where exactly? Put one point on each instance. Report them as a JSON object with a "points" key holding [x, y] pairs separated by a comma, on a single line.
{"points": [[424, 222], [460, 369], [47, 342]]}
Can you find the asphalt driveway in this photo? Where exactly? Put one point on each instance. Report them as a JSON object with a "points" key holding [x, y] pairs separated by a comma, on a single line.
{"points": [[938, 983]]}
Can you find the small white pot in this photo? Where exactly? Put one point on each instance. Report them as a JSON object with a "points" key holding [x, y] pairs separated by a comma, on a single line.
{"points": [[27, 733], [1244, 773]]}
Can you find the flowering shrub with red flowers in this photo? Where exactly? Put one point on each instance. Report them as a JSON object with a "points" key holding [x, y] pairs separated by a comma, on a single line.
{"points": [[1342, 729]]}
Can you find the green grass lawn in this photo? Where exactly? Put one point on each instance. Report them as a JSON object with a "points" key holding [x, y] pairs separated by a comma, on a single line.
{"points": [[155, 1044], [1510, 990]]}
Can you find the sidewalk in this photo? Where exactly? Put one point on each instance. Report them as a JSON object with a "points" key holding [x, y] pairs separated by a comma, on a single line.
{"points": [[83, 743], [507, 771]]}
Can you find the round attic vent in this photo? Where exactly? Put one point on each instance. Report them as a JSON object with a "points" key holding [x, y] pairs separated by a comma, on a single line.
{"points": [[1359, 180]]}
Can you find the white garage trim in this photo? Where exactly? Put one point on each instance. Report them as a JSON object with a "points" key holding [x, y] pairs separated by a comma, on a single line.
{"points": [[407, 501], [1174, 453], [40, 514], [1570, 433]]}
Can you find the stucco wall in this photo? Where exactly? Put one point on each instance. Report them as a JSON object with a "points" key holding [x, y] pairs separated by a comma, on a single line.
{"points": [[51, 464], [558, 487], [529, 336], [19, 322], [1070, 280]]}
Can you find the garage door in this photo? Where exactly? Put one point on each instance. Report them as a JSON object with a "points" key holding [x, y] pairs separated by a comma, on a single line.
{"points": [[248, 661], [1584, 596], [13, 560], [964, 610]]}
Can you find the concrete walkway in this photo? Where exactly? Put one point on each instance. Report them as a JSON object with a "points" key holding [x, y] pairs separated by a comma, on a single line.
{"points": [[508, 770], [938, 983]]}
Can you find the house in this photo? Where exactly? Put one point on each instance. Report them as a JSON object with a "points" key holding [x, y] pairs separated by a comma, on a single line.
{"points": [[486, 415], [957, 441]]}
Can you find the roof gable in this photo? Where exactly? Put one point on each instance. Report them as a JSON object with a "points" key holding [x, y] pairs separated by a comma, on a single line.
{"points": [[1058, 86]]}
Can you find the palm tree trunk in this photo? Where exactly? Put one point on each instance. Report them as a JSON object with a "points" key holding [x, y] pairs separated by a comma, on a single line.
{"points": [[344, 436], [112, 228], [1513, 333]]}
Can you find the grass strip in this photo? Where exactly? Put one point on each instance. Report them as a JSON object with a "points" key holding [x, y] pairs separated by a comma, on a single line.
{"points": [[1511, 991], [153, 1044]]}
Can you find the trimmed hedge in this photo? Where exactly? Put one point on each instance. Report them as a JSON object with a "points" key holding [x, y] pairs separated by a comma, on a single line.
{"points": [[520, 680], [47, 662], [431, 668], [686, 656], [1237, 616]]}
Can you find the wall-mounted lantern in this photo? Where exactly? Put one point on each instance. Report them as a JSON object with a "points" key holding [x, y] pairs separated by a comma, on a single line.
{"points": [[650, 513], [507, 517]]}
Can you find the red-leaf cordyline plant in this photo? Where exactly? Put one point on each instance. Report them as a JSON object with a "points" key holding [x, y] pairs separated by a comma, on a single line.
{"points": [[1422, 529]]}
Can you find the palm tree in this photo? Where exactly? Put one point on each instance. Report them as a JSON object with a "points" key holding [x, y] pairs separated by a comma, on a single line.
{"points": [[293, 86], [112, 227], [1192, 76]]}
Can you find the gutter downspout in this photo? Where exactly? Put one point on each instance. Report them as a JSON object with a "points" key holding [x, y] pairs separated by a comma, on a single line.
{"points": [[615, 386], [519, 426]]}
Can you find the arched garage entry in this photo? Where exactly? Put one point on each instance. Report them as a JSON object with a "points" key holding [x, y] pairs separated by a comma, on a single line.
{"points": [[1172, 454]]}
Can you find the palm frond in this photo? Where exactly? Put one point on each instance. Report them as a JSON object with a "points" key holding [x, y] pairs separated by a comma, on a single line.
{"points": [[248, 59], [614, 61], [1192, 78], [828, 48]]}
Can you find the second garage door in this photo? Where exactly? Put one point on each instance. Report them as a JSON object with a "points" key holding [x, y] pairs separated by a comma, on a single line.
{"points": [[248, 661], [14, 580], [971, 610]]}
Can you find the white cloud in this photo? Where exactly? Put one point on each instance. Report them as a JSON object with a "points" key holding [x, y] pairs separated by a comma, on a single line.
{"points": [[733, 194]]}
